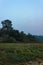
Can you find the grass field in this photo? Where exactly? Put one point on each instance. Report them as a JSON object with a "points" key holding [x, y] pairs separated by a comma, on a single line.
{"points": [[12, 53]]}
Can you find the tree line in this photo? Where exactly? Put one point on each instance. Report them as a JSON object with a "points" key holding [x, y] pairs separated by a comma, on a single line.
{"points": [[10, 35]]}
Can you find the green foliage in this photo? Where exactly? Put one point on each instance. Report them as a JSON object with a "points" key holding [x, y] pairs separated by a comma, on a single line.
{"points": [[7, 25], [13, 53], [8, 34]]}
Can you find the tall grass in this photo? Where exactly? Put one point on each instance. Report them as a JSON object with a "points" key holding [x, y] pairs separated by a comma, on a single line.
{"points": [[13, 53]]}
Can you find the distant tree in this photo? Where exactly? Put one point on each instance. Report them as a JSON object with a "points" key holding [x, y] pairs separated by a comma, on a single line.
{"points": [[7, 25], [31, 38], [8, 34], [7, 39], [22, 36]]}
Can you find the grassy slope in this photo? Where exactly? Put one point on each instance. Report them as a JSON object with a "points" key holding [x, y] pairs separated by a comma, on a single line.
{"points": [[13, 53]]}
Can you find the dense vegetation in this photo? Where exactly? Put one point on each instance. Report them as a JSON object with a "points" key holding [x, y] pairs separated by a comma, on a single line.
{"points": [[10, 35], [13, 54], [16, 54]]}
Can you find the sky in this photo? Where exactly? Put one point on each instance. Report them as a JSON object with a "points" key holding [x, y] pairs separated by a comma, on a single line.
{"points": [[26, 15]]}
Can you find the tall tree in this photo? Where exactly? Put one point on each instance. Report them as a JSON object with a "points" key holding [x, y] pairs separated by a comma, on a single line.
{"points": [[7, 25]]}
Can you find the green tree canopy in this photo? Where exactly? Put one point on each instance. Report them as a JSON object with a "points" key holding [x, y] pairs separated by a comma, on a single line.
{"points": [[7, 25]]}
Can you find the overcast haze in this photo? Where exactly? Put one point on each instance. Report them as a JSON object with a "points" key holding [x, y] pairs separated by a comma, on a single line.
{"points": [[26, 15]]}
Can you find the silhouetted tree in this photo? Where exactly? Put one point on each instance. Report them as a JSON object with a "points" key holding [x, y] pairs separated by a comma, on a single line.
{"points": [[8, 34], [31, 38], [7, 25]]}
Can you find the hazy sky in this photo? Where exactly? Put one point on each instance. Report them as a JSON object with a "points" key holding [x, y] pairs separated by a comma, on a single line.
{"points": [[26, 15]]}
